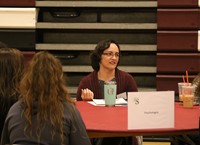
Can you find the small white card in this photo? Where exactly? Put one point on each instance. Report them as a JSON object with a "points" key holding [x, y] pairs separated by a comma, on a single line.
{"points": [[151, 110], [119, 101], [122, 95]]}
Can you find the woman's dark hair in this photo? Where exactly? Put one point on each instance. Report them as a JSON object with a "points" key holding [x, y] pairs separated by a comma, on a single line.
{"points": [[12, 69], [95, 56]]}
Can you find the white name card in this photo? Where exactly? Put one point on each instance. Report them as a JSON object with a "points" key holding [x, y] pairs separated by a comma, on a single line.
{"points": [[151, 110]]}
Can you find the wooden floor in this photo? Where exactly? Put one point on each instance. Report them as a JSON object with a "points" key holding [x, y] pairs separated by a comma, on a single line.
{"points": [[156, 143]]}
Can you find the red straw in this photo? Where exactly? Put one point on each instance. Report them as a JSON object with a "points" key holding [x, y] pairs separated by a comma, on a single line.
{"points": [[187, 77]]}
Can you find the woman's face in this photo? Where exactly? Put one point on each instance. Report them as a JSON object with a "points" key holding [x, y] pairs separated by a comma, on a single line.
{"points": [[110, 57]]}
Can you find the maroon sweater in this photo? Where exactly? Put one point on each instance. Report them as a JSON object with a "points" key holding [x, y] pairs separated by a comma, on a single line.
{"points": [[125, 83]]}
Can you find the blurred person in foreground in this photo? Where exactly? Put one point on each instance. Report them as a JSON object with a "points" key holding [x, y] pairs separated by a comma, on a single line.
{"points": [[44, 114], [12, 68], [196, 137], [196, 82]]}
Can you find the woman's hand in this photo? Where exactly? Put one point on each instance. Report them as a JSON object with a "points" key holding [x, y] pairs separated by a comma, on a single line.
{"points": [[87, 94]]}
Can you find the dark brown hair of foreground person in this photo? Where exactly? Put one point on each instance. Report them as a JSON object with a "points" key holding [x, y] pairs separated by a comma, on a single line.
{"points": [[43, 83], [12, 68]]}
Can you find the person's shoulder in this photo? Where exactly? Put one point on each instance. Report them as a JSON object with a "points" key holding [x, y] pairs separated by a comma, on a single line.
{"points": [[15, 108], [121, 72], [69, 109], [127, 77], [69, 105], [89, 76], [16, 105]]}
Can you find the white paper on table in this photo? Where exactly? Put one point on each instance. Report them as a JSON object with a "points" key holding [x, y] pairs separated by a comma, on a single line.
{"points": [[94, 104], [122, 95], [120, 101], [101, 102], [151, 110]]}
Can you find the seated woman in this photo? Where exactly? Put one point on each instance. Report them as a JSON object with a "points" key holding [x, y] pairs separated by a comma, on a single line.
{"points": [[105, 59], [44, 114], [12, 67]]}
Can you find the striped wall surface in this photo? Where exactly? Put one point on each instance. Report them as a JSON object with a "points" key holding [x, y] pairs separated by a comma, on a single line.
{"points": [[159, 38], [178, 25]]}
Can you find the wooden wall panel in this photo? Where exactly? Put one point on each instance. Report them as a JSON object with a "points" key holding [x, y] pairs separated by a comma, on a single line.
{"points": [[178, 62], [178, 19], [177, 41], [178, 24], [17, 2], [170, 82], [177, 3]]}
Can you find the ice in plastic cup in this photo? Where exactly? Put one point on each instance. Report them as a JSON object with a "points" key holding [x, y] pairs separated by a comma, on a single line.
{"points": [[188, 95], [180, 89]]}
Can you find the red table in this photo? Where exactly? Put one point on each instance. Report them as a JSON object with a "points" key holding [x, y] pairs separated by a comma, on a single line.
{"points": [[103, 121]]}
